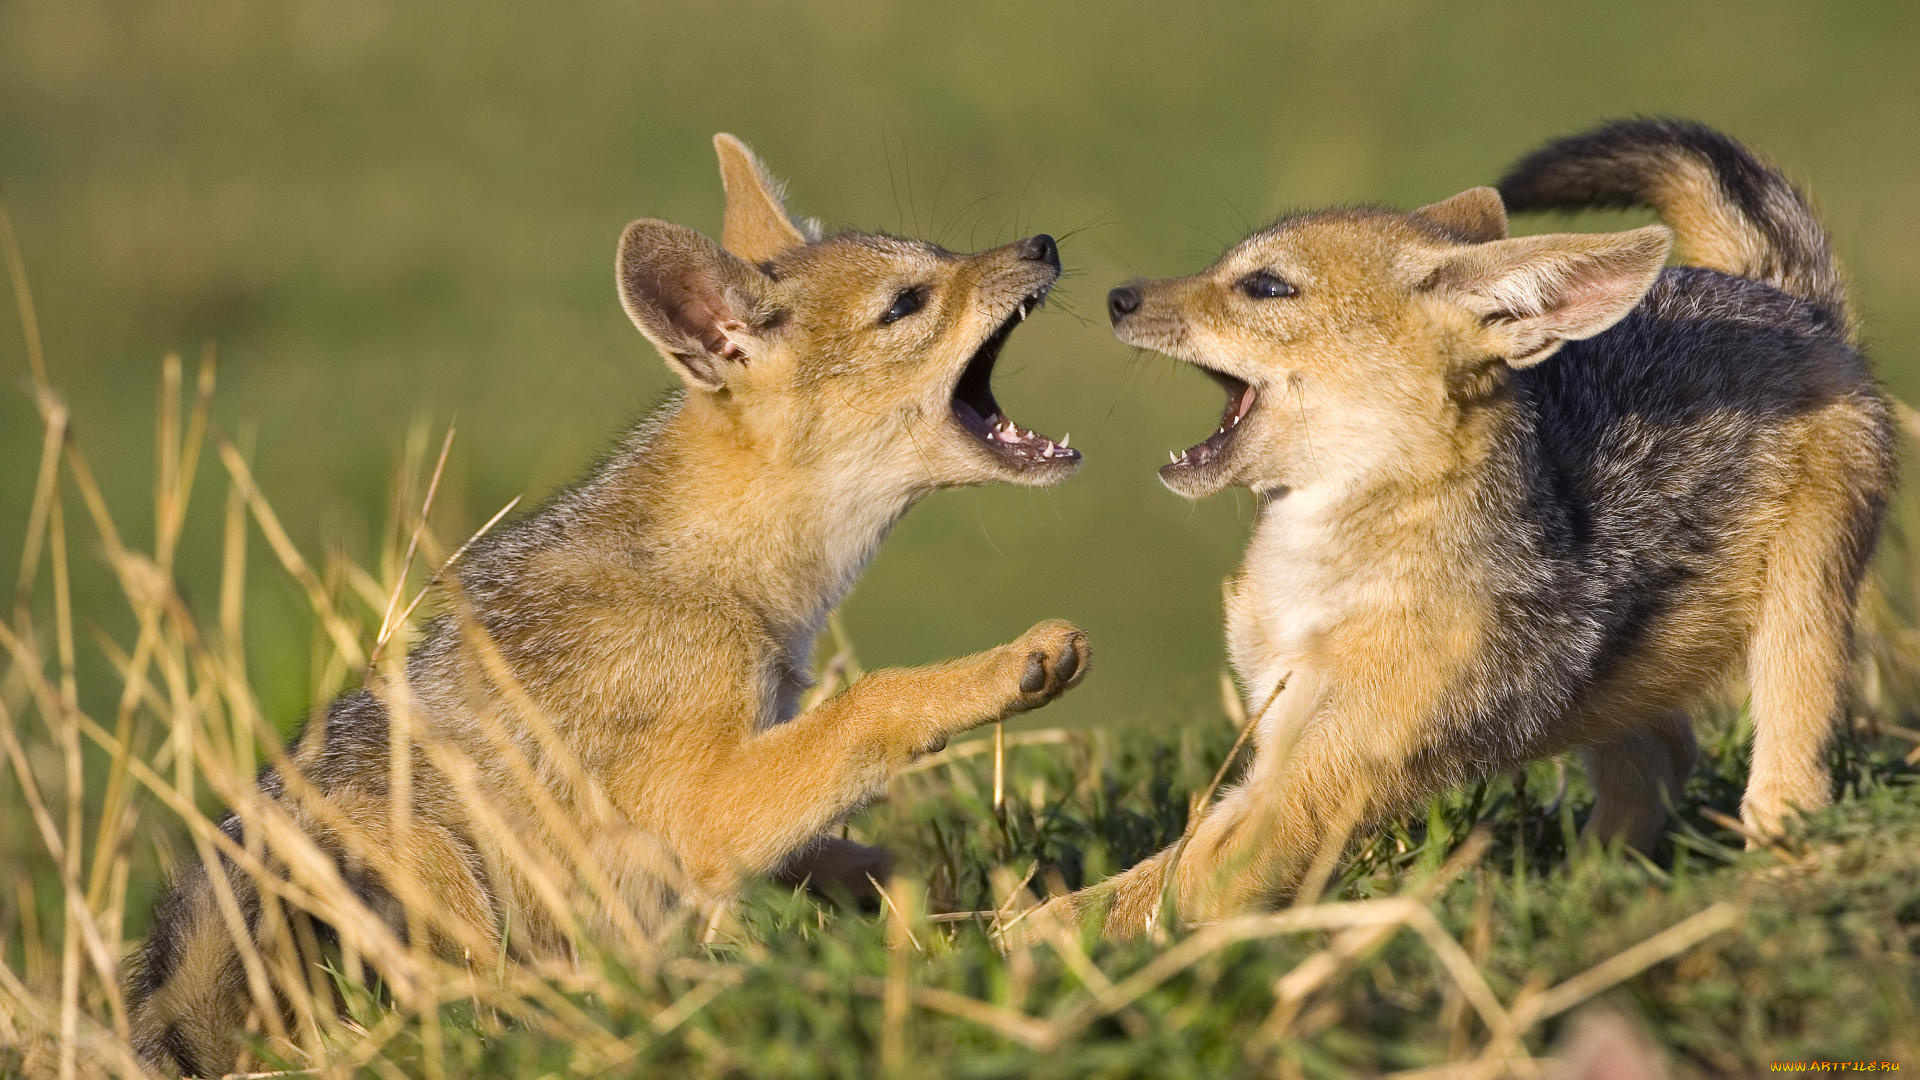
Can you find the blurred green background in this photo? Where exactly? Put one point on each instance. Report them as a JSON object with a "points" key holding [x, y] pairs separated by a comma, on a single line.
{"points": [[382, 212]]}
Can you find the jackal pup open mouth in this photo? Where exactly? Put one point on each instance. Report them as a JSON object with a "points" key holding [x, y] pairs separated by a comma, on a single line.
{"points": [[979, 414], [1241, 398], [1143, 317]]}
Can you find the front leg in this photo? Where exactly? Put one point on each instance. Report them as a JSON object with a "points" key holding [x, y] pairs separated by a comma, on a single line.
{"points": [[1213, 873], [760, 799], [1259, 842]]}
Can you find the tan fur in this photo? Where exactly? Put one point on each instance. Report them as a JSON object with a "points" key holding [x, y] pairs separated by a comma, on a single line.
{"points": [[1636, 777], [1717, 236], [1797, 667], [1375, 446], [1476, 214], [1714, 233], [756, 226]]}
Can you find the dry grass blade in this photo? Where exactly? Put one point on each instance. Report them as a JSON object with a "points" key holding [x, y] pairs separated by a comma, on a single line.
{"points": [[1777, 846], [975, 747], [899, 921], [290, 558], [440, 575], [81, 929], [1213, 937], [1000, 769], [1031, 1032], [1622, 966], [1291, 992], [1202, 803], [23, 297], [44, 494], [103, 1047], [1533, 1005], [393, 619]]}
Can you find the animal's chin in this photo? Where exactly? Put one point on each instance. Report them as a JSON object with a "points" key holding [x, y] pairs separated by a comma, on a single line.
{"points": [[1204, 468], [1016, 453]]}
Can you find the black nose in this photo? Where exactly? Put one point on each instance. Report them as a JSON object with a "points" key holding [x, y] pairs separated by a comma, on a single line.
{"points": [[1123, 302], [1040, 248]]}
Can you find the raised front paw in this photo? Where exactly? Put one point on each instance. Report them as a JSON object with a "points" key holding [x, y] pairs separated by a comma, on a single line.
{"points": [[1050, 659]]}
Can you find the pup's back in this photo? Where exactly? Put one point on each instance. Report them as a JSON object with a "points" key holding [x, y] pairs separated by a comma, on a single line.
{"points": [[1664, 435], [1669, 461], [1714, 467]]}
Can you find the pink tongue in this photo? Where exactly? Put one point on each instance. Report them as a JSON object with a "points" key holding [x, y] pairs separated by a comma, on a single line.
{"points": [[1244, 403]]}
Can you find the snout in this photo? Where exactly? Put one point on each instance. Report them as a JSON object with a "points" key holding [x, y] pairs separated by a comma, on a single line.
{"points": [[1122, 302], [1040, 248]]}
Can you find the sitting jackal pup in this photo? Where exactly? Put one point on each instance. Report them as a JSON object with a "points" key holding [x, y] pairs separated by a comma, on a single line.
{"points": [[1518, 496], [647, 633]]}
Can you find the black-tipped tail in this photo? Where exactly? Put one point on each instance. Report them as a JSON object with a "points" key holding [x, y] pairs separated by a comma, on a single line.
{"points": [[1731, 211]]}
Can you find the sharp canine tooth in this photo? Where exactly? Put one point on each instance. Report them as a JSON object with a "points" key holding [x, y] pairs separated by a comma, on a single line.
{"points": [[1173, 458], [1064, 439]]}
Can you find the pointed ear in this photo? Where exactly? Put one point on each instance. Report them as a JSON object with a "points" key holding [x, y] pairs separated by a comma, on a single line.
{"points": [[1476, 215], [695, 302], [756, 226], [1535, 293]]}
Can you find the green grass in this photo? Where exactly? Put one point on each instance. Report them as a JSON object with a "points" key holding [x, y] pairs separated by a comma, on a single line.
{"points": [[1819, 962], [1469, 937]]}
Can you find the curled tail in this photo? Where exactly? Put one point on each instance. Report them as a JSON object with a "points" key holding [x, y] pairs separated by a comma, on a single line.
{"points": [[1731, 211]]}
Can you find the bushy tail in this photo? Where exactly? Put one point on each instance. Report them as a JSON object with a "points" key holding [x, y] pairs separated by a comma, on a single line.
{"points": [[1731, 211], [187, 997]]}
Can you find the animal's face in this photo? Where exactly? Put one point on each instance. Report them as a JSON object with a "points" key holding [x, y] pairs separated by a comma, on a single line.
{"points": [[870, 354], [1347, 339]]}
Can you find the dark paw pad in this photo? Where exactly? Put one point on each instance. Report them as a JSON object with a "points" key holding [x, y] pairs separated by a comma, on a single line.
{"points": [[1035, 678], [1067, 664]]}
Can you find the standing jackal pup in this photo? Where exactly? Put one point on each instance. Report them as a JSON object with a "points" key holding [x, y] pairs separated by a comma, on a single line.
{"points": [[1523, 495], [622, 708]]}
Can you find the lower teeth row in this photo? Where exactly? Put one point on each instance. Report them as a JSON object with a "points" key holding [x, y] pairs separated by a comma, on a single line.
{"points": [[1231, 422], [1008, 433]]}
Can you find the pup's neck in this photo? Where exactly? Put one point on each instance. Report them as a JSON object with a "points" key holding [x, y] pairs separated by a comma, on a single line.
{"points": [[1407, 537], [761, 516]]}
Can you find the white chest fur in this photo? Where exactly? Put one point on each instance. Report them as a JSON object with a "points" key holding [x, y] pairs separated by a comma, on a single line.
{"points": [[1288, 596]]}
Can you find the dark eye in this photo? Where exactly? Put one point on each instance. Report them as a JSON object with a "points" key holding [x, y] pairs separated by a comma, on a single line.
{"points": [[905, 304], [1263, 285]]}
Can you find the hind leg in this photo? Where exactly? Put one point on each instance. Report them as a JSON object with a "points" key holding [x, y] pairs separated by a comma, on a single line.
{"points": [[836, 867], [1798, 673], [1636, 777], [431, 879], [1797, 662]]}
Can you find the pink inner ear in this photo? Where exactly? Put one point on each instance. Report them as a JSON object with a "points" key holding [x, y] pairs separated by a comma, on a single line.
{"points": [[1593, 293], [700, 311], [694, 306], [1584, 297]]}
